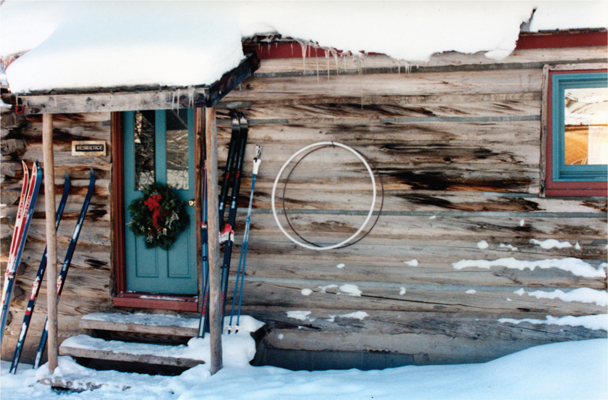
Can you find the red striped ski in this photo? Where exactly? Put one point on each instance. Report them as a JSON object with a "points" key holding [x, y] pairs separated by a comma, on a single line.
{"points": [[29, 195]]}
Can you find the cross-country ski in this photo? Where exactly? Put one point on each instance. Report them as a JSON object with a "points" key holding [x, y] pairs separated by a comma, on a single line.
{"points": [[25, 212], [29, 310], [236, 151], [66, 262], [229, 228]]}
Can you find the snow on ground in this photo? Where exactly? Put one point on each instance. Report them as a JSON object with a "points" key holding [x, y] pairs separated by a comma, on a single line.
{"points": [[83, 44], [560, 371]]}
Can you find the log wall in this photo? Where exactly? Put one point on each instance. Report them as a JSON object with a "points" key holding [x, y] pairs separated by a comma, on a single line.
{"points": [[456, 143], [87, 287]]}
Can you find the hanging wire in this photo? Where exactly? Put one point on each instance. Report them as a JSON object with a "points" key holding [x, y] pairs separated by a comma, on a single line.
{"points": [[285, 190]]}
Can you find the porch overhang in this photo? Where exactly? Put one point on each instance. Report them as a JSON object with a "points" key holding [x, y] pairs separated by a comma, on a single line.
{"points": [[65, 101]]}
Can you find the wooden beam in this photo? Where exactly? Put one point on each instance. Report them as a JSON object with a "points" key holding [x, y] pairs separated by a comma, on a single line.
{"points": [[110, 100], [88, 100], [215, 309], [232, 79], [51, 238]]}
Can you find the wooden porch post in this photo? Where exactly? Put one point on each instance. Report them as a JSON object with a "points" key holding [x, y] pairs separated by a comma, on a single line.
{"points": [[215, 309], [51, 238]]}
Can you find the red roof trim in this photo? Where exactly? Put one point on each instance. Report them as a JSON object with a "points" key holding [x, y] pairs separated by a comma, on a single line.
{"points": [[274, 50], [562, 39]]}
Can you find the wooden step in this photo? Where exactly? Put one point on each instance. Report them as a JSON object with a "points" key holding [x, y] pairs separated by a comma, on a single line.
{"points": [[84, 346], [156, 324]]}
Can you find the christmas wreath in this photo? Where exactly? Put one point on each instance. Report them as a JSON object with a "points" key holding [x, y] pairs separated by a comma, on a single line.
{"points": [[158, 215]]}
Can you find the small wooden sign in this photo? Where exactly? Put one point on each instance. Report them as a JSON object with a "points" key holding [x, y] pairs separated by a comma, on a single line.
{"points": [[89, 148]]}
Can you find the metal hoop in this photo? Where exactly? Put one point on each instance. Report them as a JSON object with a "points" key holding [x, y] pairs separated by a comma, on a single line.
{"points": [[369, 215]]}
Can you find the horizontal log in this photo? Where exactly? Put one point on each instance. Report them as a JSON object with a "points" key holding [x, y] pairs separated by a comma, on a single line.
{"points": [[370, 88], [329, 198], [64, 158], [93, 256], [13, 147], [10, 196], [467, 326], [354, 131], [430, 338], [344, 110], [289, 296], [69, 120], [98, 234], [402, 227], [433, 265], [388, 154]]}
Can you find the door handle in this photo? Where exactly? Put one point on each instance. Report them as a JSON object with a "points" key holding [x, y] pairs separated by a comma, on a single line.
{"points": [[191, 202]]}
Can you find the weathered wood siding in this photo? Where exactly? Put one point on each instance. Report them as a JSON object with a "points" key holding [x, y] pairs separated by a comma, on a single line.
{"points": [[457, 144], [87, 288]]}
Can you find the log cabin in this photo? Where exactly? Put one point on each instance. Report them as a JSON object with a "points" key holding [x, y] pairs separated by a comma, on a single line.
{"points": [[484, 240]]}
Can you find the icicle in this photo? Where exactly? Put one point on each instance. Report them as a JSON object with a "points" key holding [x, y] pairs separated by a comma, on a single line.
{"points": [[336, 59], [179, 96], [327, 61], [304, 47], [190, 96], [173, 101], [358, 59], [317, 60]]}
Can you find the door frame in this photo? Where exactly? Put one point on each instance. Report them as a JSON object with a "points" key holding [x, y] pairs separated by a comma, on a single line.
{"points": [[120, 296]]}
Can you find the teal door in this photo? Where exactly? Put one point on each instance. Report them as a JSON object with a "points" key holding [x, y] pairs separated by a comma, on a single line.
{"points": [[159, 147]]}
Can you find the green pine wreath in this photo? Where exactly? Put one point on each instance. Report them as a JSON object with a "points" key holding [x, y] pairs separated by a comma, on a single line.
{"points": [[158, 215]]}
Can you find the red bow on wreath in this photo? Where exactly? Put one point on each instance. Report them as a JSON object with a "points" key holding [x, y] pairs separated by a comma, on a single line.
{"points": [[154, 206]]}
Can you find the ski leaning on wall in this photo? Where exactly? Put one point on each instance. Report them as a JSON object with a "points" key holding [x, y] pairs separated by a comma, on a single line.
{"points": [[228, 232], [66, 263], [25, 211], [234, 164], [36, 285]]}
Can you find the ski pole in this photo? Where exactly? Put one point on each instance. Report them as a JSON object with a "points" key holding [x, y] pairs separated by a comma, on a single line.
{"points": [[240, 275]]}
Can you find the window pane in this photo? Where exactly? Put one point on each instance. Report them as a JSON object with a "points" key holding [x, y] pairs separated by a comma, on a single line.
{"points": [[586, 126], [143, 139], [177, 149]]}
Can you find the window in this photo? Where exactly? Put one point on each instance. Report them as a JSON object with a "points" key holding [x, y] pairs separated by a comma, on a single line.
{"points": [[576, 142]]}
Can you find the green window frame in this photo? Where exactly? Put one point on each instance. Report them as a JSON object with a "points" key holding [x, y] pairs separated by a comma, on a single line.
{"points": [[563, 179]]}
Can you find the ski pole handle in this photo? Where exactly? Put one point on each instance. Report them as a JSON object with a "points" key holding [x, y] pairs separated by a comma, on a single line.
{"points": [[257, 160]]}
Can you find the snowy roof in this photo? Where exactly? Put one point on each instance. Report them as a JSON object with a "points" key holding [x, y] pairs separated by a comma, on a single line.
{"points": [[88, 44]]}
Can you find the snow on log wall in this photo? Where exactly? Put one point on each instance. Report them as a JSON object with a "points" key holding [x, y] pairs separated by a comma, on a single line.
{"points": [[457, 144]]}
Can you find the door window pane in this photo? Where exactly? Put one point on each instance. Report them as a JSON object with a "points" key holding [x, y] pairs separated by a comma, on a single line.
{"points": [[143, 139], [177, 149], [586, 126]]}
